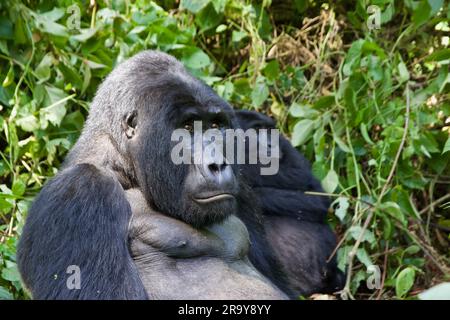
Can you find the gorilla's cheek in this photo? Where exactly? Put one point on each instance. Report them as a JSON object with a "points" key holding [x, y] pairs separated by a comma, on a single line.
{"points": [[160, 180]]}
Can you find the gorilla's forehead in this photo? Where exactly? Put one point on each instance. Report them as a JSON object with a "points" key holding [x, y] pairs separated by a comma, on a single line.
{"points": [[180, 90], [153, 80]]}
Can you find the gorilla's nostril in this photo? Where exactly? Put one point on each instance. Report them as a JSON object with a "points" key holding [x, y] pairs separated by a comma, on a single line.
{"points": [[216, 168]]}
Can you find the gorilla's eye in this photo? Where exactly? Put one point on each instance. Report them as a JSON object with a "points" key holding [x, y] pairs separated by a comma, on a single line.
{"points": [[131, 120], [129, 124], [215, 126], [189, 127]]}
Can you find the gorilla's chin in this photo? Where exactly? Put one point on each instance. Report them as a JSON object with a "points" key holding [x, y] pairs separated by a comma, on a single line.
{"points": [[202, 214]]}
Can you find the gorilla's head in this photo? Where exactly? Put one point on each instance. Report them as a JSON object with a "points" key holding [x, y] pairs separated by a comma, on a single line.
{"points": [[294, 170], [129, 129]]}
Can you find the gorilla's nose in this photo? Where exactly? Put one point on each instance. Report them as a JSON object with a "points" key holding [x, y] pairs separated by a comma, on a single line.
{"points": [[216, 168], [218, 171]]}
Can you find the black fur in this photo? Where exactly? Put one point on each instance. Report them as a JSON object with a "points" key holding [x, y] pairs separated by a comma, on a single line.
{"points": [[81, 217], [295, 223]]}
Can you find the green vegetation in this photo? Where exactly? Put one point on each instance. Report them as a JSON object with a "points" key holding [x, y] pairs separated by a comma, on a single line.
{"points": [[367, 107]]}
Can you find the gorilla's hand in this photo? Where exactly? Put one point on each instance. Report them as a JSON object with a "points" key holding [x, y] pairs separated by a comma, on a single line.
{"points": [[211, 262], [151, 232]]}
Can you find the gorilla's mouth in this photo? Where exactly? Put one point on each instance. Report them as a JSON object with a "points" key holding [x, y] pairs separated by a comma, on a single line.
{"points": [[209, 197]]}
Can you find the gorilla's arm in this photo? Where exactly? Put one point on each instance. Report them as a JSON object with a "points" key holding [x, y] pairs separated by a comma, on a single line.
{"points": [[177, 261], [294, 204], [303, 249], [79, 218]]}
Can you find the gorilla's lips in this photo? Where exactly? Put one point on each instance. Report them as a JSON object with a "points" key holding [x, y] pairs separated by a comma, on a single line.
{"points": [[210, 197]]}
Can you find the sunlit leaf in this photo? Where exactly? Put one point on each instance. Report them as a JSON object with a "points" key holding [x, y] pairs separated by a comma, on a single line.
{"points": [[404, 281]]}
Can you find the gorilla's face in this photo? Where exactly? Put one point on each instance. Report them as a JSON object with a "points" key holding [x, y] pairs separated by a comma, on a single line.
{"points": [[291, 174], [200, 192]]}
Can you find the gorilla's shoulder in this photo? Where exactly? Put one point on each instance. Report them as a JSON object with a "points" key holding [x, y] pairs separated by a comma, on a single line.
{"points": [[84, 178]]}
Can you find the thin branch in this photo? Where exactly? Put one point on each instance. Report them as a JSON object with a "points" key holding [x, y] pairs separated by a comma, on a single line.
{"points": [[434, 203], [355, 199], [400, 148], [383, 278]]}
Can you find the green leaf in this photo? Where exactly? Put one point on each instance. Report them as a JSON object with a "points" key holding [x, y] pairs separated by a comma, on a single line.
{"points": [[4, 47], [71, 75], [20, 35], [422, 13], [372, 47], [195, 58], [260, 92], [43, 70], [219, 5], [18, 187], [330, 182], [404, 282], [302, 131], [447, 146], [403, 72], [11, 274], [237, 36], [5, 294], [394, 210], [353, 54], [5, 205], [207, 18], [221, 28], [54, 114], [341, 210], [28, 123], [54, 15], [365, 133], [435, 5], [303, 111], [85, 34], [355, 232], [324, 102], [412, 249], [443, 54], [194, 6], [342, 145], [364, 257], [319, 170], [48, 26], [6, 29], [9, 79], [272, 70], [94, 65], [3, 167]]}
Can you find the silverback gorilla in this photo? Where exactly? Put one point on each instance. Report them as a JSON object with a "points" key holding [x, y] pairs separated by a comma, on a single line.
{"points": [[300, 240], [136, 225]]}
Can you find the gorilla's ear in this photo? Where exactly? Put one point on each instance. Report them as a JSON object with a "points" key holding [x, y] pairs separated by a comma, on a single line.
{"points": [[79, 221], [129, 124]]}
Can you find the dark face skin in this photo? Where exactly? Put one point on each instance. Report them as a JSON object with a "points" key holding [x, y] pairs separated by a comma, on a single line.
{"points": [[204, 193]]}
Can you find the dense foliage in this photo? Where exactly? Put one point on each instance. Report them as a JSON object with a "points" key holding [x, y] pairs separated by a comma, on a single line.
{"points": [[368, 106]]}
